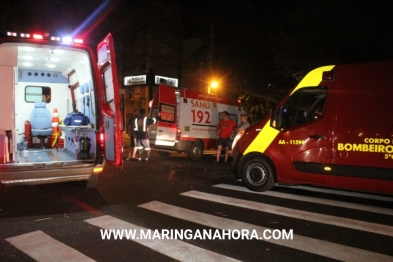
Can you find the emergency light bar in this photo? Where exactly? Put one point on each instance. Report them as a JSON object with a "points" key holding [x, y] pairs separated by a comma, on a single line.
{"points": [[66, 40]]}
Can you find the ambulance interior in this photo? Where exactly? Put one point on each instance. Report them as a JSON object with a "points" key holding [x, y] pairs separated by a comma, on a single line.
{"points": [[38, 82]]}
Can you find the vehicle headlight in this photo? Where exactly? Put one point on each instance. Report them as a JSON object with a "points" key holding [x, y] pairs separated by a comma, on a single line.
{"points": [[237, 137]]}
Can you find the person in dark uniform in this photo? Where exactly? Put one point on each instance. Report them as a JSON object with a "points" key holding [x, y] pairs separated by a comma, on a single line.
{"points": [[132, 150], [140, 129]]}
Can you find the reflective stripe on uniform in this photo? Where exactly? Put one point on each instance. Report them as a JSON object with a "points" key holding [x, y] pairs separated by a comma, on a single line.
{"points": [[144, 123]]}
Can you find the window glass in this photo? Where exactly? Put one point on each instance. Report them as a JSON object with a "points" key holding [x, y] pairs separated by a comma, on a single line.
{"points": [[167, 113], [303, 106], [37, 94]]}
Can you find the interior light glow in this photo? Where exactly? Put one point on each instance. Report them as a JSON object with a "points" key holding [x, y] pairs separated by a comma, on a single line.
{"points": [[67, 40], [27, 64], [37, 36], [50, 66], [27, 57], [57, 51], [55, 38], [28, 48]]}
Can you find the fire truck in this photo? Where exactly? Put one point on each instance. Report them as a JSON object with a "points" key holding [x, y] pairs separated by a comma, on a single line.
{"points": [[188, 121], [334, 129], [52, 77]]}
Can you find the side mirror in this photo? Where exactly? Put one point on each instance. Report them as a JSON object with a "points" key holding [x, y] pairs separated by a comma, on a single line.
{"points": [[276, 118]]}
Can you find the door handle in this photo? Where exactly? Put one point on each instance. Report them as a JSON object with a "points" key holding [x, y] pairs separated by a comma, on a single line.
{"points": [[317, 136]]}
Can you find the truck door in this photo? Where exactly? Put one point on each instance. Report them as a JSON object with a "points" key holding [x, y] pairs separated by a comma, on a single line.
{"points": [[302, 146], [166, 126], [110, 102]]}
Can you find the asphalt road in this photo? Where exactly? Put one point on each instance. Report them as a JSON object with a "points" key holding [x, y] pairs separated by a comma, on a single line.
{"points": [[175, 194]]}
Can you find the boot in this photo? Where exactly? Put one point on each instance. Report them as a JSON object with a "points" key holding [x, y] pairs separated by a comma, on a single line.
{"points": [[147, 155], [140, 152]]}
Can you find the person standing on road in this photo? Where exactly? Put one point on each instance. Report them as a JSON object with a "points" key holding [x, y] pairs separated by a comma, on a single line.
{"points": [[225, 130], [244, 124], [140, 128], [131, 133]]}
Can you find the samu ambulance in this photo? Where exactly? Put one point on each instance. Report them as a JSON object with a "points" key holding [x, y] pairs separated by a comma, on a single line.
{"points": [[44, 76], [188, 121], [334, 129]]}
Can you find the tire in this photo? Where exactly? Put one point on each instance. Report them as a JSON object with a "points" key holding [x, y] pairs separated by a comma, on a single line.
{"points": [[196, 151], [258, 175], [92, 182], [163, 153]]}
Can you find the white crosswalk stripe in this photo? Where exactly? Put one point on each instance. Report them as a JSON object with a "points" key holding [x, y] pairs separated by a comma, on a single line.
{"points": [[328, 202], [42, 247], [170, 247], [306, 244], [289, 212]]}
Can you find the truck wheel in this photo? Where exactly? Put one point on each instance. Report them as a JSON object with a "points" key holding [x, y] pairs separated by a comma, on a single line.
{"points": [[92, 182], [196, 151], [258, 175], [163, 153]]}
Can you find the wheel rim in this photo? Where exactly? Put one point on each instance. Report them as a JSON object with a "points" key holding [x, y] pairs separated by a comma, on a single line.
{"points": [[256, 174], [197, 151]]}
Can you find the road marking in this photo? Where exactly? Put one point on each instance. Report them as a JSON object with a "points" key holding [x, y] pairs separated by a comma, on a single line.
{"points": [[328, 202], [306, 244], [294, 213], [340, 192], [173, 248], [42, 247]]}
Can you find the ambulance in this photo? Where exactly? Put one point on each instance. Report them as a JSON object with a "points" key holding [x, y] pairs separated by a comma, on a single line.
{"points": [[334, 129], [188, 121], [45, 78]]}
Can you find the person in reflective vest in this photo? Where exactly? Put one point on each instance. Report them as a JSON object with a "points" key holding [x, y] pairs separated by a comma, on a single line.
{"points": [[140, 129]]}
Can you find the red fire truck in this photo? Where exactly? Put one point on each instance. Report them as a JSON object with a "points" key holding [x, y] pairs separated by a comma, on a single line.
{"points": [[334, 129], [44, 76]]}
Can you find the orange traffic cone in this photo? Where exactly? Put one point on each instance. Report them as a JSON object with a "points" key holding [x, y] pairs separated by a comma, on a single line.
{"points": [[55, 118]]}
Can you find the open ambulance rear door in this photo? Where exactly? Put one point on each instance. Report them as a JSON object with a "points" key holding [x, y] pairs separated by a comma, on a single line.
{"points": [[110, 102], [166, 126]]}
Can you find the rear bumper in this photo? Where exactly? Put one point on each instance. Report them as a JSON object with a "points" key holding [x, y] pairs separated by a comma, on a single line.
{"points": [[44, 175], [180, 146]]}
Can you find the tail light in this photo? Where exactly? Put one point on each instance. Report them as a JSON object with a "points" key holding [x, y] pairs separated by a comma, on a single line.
{"points": [[178, 133], [101, 139]]}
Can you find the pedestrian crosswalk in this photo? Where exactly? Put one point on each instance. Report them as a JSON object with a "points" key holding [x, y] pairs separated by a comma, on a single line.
{"points": [[290, 212], [40, 246]]}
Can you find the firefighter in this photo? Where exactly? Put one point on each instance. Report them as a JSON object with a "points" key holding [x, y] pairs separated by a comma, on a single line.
{"points": [[140, 128]]}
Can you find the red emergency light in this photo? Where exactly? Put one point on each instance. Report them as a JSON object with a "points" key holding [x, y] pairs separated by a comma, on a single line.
{"points": [[66, 40]]}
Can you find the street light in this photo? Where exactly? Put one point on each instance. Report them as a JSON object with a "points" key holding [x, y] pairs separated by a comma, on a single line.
{"points": [[213, 86]]}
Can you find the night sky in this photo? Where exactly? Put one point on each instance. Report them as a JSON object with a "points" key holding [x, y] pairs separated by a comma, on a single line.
{"points": [[257, 44]]}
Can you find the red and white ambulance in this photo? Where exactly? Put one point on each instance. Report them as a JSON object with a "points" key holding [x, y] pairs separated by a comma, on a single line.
{"points": [[188, 121], [334, 129], [44, 76]]}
